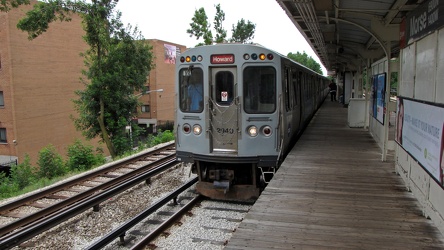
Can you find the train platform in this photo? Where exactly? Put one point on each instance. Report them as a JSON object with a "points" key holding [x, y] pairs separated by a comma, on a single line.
{"points": [[334, 192]]}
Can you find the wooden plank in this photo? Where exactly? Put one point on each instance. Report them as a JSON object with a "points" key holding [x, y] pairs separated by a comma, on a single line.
{"points": [[334, 192]]}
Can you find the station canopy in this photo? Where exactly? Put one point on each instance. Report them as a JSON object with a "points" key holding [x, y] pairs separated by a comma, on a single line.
{"points": [[346, 33]]}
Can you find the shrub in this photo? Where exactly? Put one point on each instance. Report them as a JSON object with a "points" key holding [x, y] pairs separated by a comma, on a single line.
{"points": [[23, 174], [165, 125], [163, 136], [81, 157], [50, 163]]}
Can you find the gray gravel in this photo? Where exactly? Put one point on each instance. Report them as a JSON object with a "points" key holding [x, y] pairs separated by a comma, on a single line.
{"points": [[209, 227]]}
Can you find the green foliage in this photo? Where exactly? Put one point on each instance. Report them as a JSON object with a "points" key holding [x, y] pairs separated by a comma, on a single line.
{"points": [[118, 62], [200, 27], [45, 13], [82, 157], [23, 174], [163, 136], [6, 186], [306, 60], [165, 125], [243, 32], [394, 83], [221, 34], [6, 5], [24, 179], [51, 163]]}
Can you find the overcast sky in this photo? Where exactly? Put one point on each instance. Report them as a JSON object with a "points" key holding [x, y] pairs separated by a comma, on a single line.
{"points": [[168, 20]]}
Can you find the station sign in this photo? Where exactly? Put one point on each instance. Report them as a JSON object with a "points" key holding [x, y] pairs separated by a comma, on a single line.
{"points": [[222, 59], [428, 17]]}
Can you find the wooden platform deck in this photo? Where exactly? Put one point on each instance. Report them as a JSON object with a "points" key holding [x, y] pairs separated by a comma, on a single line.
{"points": [[334, 192]]}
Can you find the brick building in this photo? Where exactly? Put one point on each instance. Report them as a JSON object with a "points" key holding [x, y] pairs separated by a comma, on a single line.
{"points": [[38, 79], [158, 107]]}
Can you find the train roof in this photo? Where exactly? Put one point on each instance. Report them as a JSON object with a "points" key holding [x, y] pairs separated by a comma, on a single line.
{"points": [[255, 45]]}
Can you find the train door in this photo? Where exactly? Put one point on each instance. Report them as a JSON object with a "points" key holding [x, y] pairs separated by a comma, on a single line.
{"points": [[223, 110], [297, 97]]}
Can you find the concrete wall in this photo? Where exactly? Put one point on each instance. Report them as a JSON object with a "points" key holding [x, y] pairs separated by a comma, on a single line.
{"points": [[422, 78]]}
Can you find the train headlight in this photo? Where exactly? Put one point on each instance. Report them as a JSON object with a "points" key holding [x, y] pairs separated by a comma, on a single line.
{"points": [[188, 59], [252, 131], [186, 128], [262, 57], [197, 129], [199, 58], [267, 131], [246, 57]]}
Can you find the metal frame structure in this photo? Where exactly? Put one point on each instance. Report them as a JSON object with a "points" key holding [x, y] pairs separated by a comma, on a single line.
{"points": [[346, 33]]}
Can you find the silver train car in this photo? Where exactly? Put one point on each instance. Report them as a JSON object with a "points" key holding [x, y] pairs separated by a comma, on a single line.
{"points": [[239, 109]]}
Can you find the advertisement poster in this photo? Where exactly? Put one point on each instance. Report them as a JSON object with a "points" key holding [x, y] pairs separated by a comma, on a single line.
{"points": [[170, 53], [379, 97], [420, 132]]}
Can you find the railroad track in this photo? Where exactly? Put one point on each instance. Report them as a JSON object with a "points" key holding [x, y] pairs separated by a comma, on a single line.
{"points": [[156, 226], [58, 203], [180, 219]]}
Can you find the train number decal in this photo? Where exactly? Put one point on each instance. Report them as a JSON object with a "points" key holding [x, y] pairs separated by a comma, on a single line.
{"points": [[223, 131]]}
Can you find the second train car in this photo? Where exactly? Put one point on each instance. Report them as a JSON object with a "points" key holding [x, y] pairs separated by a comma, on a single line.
{"points": [[239, 109]]}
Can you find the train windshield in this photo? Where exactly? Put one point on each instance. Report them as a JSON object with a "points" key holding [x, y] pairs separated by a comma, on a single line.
{"points": [[191, 89], [259, 89], [224, 87]]}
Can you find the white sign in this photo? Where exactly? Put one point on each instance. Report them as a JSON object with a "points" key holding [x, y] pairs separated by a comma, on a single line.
{"points": [[420, 132], [224, 96]]}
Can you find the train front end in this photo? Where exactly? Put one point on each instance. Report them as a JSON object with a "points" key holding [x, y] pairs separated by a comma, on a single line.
{"points": [[227, 118]]}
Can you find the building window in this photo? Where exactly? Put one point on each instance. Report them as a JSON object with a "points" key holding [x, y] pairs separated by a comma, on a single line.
{"points": [[2, 135], [2, 100], [145, 108]]}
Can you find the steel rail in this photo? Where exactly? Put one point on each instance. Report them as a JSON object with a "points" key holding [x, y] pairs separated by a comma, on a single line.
{"points": [[120, 231], [14, 204], [66, 202], [37, 227], [140, 245]]}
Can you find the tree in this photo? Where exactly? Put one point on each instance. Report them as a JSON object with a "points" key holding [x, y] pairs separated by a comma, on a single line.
{"points": [[50, 163], [306, 60], [243, 32], [200, 27], [221, 34], [6, 5], [118, 63]]}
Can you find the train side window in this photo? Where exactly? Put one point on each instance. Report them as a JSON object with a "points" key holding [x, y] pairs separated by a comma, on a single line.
{"points": [[287, 89], [259, 89], [224, 87], [295, 87], [191, 90]]}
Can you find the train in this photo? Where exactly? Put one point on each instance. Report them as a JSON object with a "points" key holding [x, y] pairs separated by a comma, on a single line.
{"points": [[239, 110]]}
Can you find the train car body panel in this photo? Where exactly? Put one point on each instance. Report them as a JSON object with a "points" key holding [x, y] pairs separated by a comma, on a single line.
{"points": [[239, 109]]}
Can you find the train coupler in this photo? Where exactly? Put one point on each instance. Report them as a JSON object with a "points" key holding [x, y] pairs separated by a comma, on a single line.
{"points": [[222, 178], [225, 185]]}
